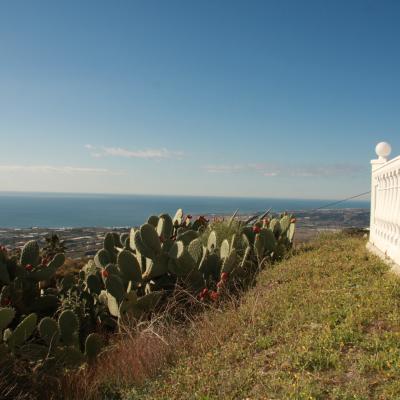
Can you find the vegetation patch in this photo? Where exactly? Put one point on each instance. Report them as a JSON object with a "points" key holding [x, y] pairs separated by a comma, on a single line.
{"points": [[56, 322], [324, 324]]}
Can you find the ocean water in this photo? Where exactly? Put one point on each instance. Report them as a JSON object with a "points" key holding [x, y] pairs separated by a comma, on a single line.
{"points": [[24, 210]]}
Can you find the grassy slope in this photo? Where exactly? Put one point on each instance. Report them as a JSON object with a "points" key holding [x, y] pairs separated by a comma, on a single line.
{"points": [[324, 324]]}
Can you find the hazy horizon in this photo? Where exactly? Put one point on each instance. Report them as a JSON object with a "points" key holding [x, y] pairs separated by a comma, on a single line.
{"points": [[363, 198]]}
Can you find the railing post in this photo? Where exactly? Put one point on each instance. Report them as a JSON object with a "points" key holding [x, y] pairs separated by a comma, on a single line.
{"points": [[383, 151]]}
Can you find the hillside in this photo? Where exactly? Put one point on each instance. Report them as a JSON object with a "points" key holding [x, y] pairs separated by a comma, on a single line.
{"points": [[324, 324]]}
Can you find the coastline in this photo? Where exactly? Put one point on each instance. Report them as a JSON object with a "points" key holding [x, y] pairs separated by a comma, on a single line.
{"points": [[85, 241]]}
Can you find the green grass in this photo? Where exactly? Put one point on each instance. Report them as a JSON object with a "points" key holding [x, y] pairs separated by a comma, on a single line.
{"points": [[324, 324]]}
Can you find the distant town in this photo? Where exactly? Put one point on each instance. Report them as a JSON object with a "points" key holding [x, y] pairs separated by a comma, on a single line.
{"points": [[86, 241]]}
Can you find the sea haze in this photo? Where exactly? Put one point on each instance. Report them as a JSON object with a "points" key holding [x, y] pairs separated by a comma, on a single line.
{"points": [[25, 210]]}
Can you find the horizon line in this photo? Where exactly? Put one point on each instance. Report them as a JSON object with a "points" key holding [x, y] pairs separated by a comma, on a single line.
{"points": [[21, 192]]}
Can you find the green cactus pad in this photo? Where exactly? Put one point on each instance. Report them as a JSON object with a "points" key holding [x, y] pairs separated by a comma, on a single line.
{"points": [[211, 266], [102, 258], [291, 231], [7, 314], [109, 243], [141, 247], [112, 304], [166, 246], [153, 220], [23, 331], [115, 287], [68, 324], [117, 241], [150, 238], [212, 241], [57, 261], [124, 239], [176, 250], [259, 247], [229, 262], [275, 226], [67, 282], [285, 222], [94, 284], [165, 226], [177, 220], [196, 250], [129, 266], [156, 267], [93, 346], [112, 269], [269, 240], [30, 254], [132, 239], [186, 263], [48, 330], [224, 251]]}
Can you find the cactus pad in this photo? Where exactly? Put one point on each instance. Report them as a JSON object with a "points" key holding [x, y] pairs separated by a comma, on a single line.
{"points": [[23, 331], [93, 346], [48, 330], [30, 254], [7, 314], [150, 238], [129, 266], [115, 287], [68, 324]]}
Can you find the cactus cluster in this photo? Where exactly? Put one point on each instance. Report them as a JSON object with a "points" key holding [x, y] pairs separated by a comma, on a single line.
{"points": [[128, 279]]}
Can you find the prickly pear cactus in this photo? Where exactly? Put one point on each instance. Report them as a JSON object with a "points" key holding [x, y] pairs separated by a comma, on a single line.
{"points": [[48, 330], [7, 314], [30, 254], [68, 324], [23, 331], [129, 267], [93, 345]]}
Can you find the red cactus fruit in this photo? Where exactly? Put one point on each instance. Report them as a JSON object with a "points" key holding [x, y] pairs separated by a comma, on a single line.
{"points": [[189, 217], [256, 229], [104, 273], [29, 267], [224, 276], [293, 220], [214, 296]]}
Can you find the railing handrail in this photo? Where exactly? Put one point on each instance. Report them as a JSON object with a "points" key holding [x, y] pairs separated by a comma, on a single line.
{"points": [[386, 164]]}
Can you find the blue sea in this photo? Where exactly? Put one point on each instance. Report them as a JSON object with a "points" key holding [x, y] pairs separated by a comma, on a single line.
{"points": [[25, 210]]}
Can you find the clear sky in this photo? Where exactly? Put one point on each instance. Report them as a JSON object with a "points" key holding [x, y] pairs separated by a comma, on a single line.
{"points": [[235, 98]]}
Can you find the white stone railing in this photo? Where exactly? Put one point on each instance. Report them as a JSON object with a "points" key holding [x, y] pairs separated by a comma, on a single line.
{"points": [[385, 204]]}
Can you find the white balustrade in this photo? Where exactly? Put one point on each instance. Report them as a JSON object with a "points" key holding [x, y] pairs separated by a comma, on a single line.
{"points": [[385, 204]]}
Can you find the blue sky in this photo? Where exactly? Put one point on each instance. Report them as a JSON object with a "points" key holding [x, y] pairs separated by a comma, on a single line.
{"points": [[233, 98]]}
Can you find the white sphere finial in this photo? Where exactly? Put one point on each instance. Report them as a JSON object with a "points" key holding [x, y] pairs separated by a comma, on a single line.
{"points": [[383, 150]]}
